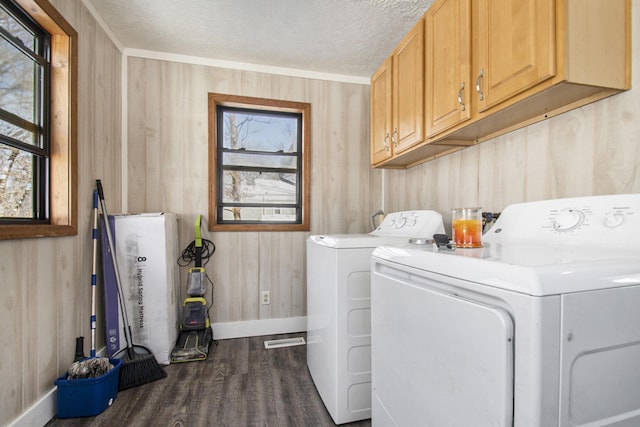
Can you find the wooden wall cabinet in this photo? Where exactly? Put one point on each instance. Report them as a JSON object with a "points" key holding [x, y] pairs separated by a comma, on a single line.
{"points": [[381, 113], [397, 99], [448, 65], [515, 48], [493, 66]]}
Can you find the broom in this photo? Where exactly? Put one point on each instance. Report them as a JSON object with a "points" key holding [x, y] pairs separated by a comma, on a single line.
{"points": [[139, 365]]}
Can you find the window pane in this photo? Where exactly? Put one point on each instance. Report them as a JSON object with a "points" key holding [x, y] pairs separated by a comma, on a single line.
{"points": [[16, 183], [260, 131], [259, 187], [260, 214], [18, 133], [17, 30], [17, 82], [259, 160]]}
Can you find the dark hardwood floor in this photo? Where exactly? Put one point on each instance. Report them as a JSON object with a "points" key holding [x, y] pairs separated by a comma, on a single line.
{"points": [[240, 384]]}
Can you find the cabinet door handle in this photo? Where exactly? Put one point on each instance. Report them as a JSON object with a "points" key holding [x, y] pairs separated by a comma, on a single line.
{"points": [[478, 84], [460, 101], [393, 137], [386, 142]]}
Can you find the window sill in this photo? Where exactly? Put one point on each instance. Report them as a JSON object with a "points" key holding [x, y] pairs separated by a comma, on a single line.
{"points": [[8, 232]]}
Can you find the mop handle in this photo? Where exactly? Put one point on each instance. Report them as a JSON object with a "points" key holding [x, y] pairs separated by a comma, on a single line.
{"points": [[127, 328], [94, 237]]}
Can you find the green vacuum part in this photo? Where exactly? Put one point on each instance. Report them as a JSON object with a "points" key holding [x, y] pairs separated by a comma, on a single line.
{"points": [[198, 242], [196, 334], [192, 346]]}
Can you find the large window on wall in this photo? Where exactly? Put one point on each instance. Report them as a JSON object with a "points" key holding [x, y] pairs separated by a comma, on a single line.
{"points": [[258, 163], [37, 121]]}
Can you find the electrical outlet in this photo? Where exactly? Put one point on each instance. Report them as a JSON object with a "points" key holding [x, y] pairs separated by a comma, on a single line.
{"points": [[265, 296]]}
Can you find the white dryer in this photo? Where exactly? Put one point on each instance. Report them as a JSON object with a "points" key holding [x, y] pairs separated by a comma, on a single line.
{"points": [[339, 309], [539, 328]]}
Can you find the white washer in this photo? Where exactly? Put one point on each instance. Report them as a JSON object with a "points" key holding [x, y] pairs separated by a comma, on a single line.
{"points": [[540, 327], [338, 310]]}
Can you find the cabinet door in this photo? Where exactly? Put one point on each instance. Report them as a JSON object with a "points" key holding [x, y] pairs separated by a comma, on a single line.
{"points": [[408, 90], [448, 63], [516, 47], [381, 113]]}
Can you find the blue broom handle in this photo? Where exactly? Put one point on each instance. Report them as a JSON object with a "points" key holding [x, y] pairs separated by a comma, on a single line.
{"points": [[94, 237]]}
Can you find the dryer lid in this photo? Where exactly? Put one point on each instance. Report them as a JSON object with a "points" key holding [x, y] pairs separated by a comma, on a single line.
{"points": [[396, 228]]}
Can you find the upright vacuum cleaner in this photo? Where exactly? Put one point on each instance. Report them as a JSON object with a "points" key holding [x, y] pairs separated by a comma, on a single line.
{"points": [[196, 334]]}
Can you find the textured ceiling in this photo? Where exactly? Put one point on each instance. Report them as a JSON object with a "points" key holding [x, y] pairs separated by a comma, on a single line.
{"points": [[346, 37]]}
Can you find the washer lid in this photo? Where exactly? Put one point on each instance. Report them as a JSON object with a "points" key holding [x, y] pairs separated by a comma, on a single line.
{"points": [[353, 241], [536, 270]]}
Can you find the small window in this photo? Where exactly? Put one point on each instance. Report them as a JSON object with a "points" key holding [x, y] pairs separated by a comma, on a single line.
{"points": [[38, 165], [259, 164]]}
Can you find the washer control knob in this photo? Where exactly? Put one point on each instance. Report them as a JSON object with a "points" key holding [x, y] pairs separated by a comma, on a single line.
{"points": [[402, 221], [613, 219], [568, 220]]}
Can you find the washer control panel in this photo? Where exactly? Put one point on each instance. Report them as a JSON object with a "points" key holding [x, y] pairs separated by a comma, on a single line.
{"points": [[596, 220], [568, 220], [421, 223]]}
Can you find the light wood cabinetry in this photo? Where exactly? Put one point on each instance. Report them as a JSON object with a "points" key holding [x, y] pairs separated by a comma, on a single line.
{"points": [[408, 90], [397, 99], [493, 66], [448, 66], [381, 113], [515, 48]]}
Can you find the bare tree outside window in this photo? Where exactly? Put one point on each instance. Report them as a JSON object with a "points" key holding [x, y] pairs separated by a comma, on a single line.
{"points": [[254, 175]]}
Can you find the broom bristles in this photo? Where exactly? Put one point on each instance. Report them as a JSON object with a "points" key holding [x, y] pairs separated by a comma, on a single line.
{"points": [[138, 369]]}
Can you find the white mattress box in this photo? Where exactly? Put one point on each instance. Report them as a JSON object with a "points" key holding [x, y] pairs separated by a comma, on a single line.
{"points": [[146, 247]]}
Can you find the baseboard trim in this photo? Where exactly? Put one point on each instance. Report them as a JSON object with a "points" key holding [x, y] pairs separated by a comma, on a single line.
{"points": [[255, 328], [41, 412]]}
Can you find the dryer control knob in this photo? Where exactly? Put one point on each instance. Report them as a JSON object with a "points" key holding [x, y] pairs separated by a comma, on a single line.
{"points": [[613, 219], [568, 220]]}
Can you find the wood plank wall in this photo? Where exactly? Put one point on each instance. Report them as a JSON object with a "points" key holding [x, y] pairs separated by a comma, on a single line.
{"points": [[167, 171]]}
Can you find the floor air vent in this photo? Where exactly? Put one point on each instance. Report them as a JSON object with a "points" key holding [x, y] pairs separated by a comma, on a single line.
{"points": [[285, 342]]}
